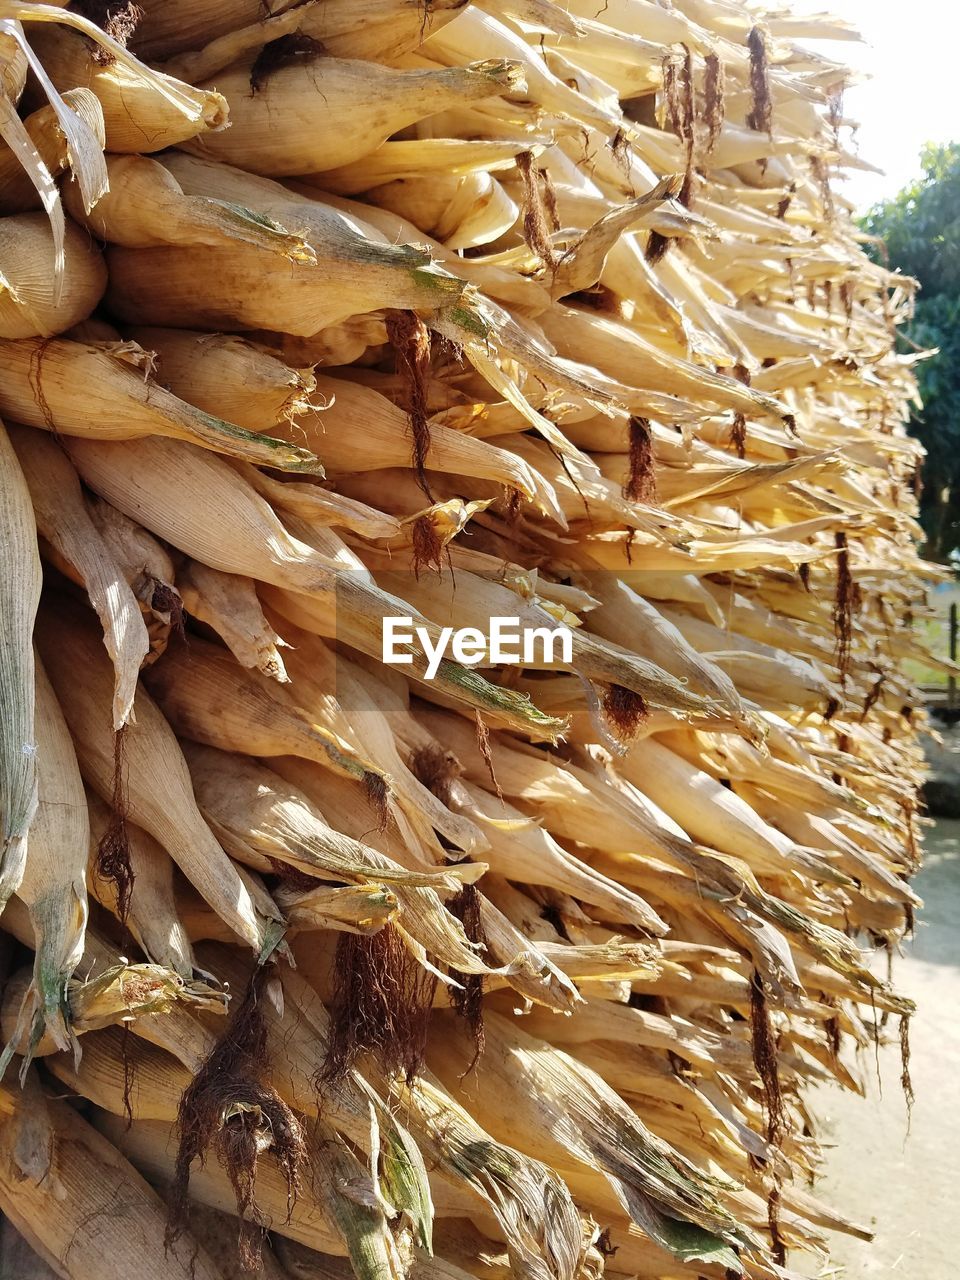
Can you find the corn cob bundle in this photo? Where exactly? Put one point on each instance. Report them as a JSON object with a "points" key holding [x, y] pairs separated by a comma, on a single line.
{"points": [[477, 309]]}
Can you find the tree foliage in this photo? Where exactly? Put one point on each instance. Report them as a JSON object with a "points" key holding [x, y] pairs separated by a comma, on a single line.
{"points": [[920, 228]]}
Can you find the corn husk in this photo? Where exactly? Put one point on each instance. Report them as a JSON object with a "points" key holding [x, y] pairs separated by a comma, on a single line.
{"points": [[33, 300], [147, 755], [18, 194], [126, 404], [317, 504], [53, 886], [64, 522], [207, 697], [337, 109], [340, 273], [147, 568], [166, 29], [337, 402], [662, 1186], [15, 67], [121, 995], [152, 914], [20, 588], [154, 1003], [461, 212], [60, 1178], [145, 207], [578, 335], [301, 836], [139, 114], [229, 604], [228, 377], [260, 546], [374, 29]]}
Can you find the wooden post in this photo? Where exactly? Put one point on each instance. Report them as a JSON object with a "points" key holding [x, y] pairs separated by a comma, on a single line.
{"points": [[952, 682]]}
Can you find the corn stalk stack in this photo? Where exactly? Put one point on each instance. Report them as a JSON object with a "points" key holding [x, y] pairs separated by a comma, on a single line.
{"points": [[314, 315]]}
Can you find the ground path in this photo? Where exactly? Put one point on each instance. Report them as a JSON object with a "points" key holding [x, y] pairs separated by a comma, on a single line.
{"points": [[906, 1188]]}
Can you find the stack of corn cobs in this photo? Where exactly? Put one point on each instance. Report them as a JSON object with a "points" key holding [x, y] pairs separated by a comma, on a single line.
{"points": [[315, 315]]}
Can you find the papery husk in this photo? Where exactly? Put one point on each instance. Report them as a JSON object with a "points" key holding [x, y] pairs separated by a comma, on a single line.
{"points": [[428, 927], [253, 810], [364, 910], [581, 264], [120, 995], [173, 1027], [412, 160], [318, 504], [18, 194], [521, 849], [228, 376], [620, 352], [359, 623], [216, 287], [496, 281], [462, 212], [256, 811], [475, 33], [593, 45], [64, 521], [594, 659], [54, 882], [137, 115], [152, 913], [151, 482], [599, 349], [145, 207], [621, 609], [149, 1145], [156, 791], [165, 29], [20, 582], [338, 402], [60, 1182], [34, 301], [666, 1188], [39, 381], [148, 569], [99, 1076], [529, 1202], [336, 110], [318, 1210], [15, 68], [186, 24], [228, 603], [104, 964], [207, 696], [330, 685], [355, 811], [379, 30], [82, 129], [297, 1035], [367, 266], [709, 812]]}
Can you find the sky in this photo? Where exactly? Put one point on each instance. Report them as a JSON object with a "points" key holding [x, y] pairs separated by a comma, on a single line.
{"points": [[912, 51]]}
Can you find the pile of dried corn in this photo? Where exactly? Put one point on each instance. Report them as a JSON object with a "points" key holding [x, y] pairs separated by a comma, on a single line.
{"points": [[558, 294]]}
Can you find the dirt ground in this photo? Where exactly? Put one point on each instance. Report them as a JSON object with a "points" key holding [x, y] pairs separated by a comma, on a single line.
{"points": [[904, 1187]]}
